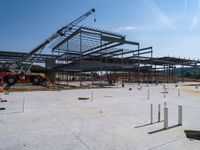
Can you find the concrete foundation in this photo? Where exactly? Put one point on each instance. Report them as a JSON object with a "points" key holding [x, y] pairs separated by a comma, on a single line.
{"points": [[116, 119]]}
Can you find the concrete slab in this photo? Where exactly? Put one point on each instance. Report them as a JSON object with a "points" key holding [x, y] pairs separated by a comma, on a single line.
{"points": [[116, 118]]}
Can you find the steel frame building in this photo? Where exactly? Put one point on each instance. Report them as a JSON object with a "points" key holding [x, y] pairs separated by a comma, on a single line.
{"points": [[86, 50], [93, 50]]}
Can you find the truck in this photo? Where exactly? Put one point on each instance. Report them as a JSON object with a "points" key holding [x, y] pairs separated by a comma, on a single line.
{"points": [[10, 78]]}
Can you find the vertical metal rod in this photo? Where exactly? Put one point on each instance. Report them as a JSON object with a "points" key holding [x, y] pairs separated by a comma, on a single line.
{"points": [[91, 95], [23, 105], [169, 75], [59, 69], [123, 73], [164, 94], [180, 115], [158, 112], [165, 75], [183, 74], [151, 73], [165, 104], [165, 91], [138, 65], [133, 74], [148, 94], [81, 58], [151, 114], [194, 71], [67, 63], [178, 92], [165, 118], [155, 76], [101, 57]]}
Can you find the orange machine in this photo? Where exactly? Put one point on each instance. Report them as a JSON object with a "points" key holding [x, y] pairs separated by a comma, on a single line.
{"points": [[11, 78]]}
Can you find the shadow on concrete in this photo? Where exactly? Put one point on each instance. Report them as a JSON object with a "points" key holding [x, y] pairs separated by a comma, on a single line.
{"points": [[156, 131], [148, 124]]}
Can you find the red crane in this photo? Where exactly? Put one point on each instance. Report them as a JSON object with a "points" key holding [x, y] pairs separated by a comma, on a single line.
{"points": [[14, 75]]}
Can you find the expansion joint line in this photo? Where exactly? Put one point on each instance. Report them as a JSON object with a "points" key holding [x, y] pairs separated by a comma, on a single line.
{"points": [[174, 140], [78, 138]]}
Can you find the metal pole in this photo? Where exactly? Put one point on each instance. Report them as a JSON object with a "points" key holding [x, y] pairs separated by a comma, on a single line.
{"points": [[165, 91], [91, 95], [123, 74], [165, 118], [151, 73], [148, 94], [165, 75], [151, 115], [178, 92], [155, 76], [158, 112], [138, 65], [180, 115], [101, 57], [165, 104], [23, 106], [164, 94], [81, 59], [67, 64]]}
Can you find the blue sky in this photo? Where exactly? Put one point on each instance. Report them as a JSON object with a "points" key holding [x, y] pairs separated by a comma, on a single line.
{"points": [[171, 27]]}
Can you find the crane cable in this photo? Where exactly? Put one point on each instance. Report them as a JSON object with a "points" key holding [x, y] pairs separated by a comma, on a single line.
{"points": [[95, 17]]}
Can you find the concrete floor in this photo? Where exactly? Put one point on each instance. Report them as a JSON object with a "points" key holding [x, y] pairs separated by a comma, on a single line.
{"points": [[116, 119]]}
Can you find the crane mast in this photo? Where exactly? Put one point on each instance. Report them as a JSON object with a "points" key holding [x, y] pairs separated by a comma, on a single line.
{"points": [[60, 32]]}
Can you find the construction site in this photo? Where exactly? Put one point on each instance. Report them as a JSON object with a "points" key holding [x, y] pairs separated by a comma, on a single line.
{"points": [[96, 89]]}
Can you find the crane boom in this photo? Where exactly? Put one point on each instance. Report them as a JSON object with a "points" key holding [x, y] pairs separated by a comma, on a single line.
{"points": [[60, 32]]}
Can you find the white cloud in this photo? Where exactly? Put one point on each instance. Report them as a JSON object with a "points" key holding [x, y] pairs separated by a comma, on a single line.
{"points": [[128, 28], [195, 19], [160, 15]]}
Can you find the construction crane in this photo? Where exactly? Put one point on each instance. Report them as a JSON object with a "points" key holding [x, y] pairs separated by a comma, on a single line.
{"points": [[13, 76], [60, 32]]}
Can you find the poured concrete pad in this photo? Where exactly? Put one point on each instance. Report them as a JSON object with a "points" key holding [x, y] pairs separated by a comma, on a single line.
{"points": [[116, 119]]}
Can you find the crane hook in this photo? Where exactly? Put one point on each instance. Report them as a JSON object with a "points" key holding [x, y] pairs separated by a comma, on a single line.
{"points": [[95, 17]]}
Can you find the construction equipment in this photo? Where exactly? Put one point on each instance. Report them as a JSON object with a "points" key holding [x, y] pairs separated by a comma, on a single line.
{"points": [[16, 75]]}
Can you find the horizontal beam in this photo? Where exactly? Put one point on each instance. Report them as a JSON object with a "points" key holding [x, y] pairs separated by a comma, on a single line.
{"points": [[119, 40], [133, 51], [66, 39], [102, 31]]}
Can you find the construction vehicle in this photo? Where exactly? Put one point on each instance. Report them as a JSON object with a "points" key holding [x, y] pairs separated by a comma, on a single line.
{"points": [[16, 75]]}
